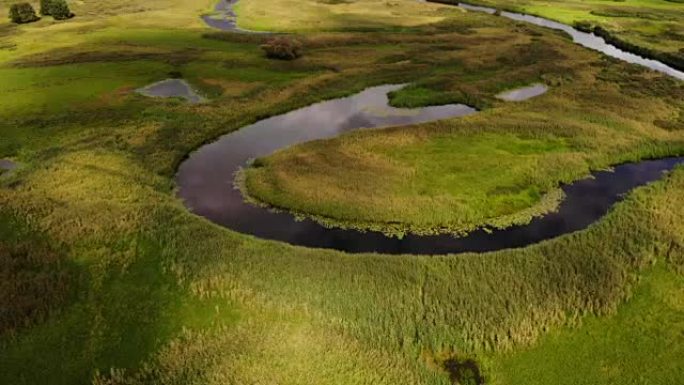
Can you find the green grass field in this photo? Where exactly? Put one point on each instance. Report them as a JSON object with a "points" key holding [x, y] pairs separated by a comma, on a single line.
{"points": [[106, 278], [610, 349]]}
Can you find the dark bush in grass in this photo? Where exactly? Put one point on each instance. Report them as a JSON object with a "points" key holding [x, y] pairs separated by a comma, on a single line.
{"points": [[283, 48], [463, 372], [584, 26], [59, 9], [45, 7], [21, 13]]}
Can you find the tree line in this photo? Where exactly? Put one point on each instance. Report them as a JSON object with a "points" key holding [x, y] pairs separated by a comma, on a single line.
{"points": [[21, 13]]}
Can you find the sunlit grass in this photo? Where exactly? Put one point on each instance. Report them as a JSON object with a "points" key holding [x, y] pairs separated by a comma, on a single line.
{"points": [[317, 15], [625, 348]]}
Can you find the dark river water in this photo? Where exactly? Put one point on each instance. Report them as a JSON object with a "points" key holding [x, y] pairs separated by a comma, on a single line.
{"points": [[206, 182]]}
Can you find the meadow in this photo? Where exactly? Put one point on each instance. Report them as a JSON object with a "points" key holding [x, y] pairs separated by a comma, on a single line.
{"points": [[108, 279]]}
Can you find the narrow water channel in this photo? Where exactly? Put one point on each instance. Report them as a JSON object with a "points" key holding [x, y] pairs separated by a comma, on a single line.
{"points": [[585, 39], [224, 18]]}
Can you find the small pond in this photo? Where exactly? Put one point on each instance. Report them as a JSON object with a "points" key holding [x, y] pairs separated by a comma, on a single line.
{"points": [[7, 165], [171, 88], [523, 93]]}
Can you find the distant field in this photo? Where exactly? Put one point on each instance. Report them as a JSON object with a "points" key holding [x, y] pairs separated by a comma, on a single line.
{"points": [[106, 278], [338, 15]]}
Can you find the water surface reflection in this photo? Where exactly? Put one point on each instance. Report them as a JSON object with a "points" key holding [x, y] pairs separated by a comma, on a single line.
{"points": [[171, 88], [523, 93]]}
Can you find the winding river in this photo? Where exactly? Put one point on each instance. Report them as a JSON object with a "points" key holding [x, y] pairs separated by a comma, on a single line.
{"points": [[585, 39], [223, 17], [206, 178]]}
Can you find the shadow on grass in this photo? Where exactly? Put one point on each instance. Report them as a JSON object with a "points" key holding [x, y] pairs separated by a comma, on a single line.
{"points": [[127, 309]]}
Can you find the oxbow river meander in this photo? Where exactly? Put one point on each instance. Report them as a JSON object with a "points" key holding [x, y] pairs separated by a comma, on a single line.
{"points": [[206, 179]]}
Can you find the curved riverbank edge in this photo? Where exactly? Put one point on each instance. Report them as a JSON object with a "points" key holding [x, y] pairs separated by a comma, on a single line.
{"points": [[549, 203], [206, 183], [656, 60], [587, 200], [610, 38]]}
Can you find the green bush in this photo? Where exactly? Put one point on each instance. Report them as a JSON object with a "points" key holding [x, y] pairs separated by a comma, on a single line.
{"points": [[283, 48], [21, 13], [584, 26], [45, 7], [59, 9]]}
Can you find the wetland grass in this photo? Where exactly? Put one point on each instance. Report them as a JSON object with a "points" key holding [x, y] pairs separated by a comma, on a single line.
{"points": [[652, 29], [133, 289]]}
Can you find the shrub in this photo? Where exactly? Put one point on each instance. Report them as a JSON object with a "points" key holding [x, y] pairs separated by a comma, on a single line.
{"points": [[21, 13], [283, 48], [463, 372], [59, 9], [584, 26], [45, 7]]}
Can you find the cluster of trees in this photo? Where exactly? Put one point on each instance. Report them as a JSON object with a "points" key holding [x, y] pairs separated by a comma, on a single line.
{"points": [[21, 13]]}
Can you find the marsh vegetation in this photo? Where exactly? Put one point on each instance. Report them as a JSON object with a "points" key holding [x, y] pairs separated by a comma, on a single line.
{"points": [[650, 28], [113, 281]]}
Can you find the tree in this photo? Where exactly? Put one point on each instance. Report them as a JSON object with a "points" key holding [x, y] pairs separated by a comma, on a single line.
{"points": [[59, 9], [21, 13], [283, 48], [45, 6]]}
